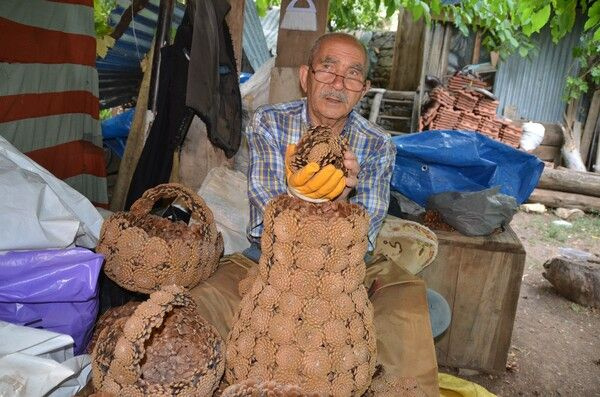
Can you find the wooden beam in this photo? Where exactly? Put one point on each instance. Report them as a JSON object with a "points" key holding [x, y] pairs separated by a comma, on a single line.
{"points": [[476, 48], [135, 141], [554, 199], [235, 22], [293, 46], [590, 125], [408, 53]]}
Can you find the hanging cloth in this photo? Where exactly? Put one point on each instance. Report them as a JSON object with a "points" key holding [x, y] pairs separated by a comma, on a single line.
{"points": [[212, 82]]}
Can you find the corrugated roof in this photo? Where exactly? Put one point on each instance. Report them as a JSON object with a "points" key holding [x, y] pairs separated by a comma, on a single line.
{"points": [[119, 72], [536, 86]]}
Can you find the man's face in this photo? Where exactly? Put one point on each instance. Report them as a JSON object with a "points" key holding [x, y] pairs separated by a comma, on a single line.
{"points": [[332, 102]]}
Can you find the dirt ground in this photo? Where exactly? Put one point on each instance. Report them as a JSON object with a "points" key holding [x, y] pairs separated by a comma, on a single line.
{"points": [[555, 347]]}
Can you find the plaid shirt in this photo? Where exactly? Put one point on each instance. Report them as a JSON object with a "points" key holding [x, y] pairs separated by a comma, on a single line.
{"points": [[274, 127]]}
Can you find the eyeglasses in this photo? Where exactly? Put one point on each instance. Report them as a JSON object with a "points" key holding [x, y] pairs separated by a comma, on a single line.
{"points": [[323, 76]]}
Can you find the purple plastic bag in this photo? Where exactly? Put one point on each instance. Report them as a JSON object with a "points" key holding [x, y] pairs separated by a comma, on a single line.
{"points": [[55, 290]]}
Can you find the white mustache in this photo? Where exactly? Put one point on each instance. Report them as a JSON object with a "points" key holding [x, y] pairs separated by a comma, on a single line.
{"points": [[340, 96]]}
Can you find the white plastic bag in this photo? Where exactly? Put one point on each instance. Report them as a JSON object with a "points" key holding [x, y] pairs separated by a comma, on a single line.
{"points": [[38, 210], [35, 362], [225, 192], [533, 135]]}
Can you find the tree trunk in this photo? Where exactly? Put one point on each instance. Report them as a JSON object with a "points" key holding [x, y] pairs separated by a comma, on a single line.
{"points": [[554, 199], [565, 180]]}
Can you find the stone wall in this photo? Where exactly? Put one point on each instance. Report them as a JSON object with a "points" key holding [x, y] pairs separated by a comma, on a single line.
{"points": [[381, 52]]}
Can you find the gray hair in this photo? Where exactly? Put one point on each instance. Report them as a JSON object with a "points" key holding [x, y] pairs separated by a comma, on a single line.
{"points": [[328, 36]]}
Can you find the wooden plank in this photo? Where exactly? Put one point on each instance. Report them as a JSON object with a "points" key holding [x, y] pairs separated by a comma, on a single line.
{"points": [[408, 53], [476, 48], [591, 124], [285, 85], [484, 308], [235, 21], [293, 46], [555, 199], [506, 241], [135, 140], [441, 276], [383, 116]]}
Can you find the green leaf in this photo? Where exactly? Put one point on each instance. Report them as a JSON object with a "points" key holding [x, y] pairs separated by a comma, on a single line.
{"points": [[540, 18], [523, 52], [596, 36]]}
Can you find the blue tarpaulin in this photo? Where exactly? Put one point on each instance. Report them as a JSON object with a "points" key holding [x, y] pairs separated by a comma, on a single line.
{"points": [[434, 162]]}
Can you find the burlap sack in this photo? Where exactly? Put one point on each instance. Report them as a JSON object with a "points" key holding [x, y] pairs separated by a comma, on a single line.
{"points": [[404, 341], [409, 244]]}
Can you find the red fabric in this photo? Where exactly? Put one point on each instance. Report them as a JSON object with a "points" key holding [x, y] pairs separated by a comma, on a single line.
{"points": [[24, 106], [71, 159], [30, 44]]}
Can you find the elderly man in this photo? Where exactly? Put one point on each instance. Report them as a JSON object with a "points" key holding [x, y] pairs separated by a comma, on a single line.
{"points": [[334, 80]]}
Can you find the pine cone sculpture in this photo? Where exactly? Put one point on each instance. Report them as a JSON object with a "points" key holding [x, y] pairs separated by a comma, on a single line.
{"points": [[163, 348], [114, 317], [144, 252], [306, 320], [252, 388], [322, 146]]}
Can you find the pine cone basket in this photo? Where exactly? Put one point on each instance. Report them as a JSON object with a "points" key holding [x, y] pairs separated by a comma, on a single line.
{"points": [[252, 388], [306, 319], [144, 251], [322, 146], [163, 349], [114, 317]]}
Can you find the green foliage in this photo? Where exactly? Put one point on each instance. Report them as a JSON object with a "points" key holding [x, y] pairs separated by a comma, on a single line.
{"points": [[507, 25], [102, 9]]}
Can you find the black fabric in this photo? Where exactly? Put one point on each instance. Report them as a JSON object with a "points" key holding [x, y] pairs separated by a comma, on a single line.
{"points": [[172, 120], [212, 85]]}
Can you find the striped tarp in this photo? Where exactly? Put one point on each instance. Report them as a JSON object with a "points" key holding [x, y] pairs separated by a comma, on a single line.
{"points": [[49, 89]]}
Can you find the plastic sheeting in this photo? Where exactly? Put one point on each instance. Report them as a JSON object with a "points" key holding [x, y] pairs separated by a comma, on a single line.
{"points": [[54, 290], [38, 210], [35, 362], [434, 162]]}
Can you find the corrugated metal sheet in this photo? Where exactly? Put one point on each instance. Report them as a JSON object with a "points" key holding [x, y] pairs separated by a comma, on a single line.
{"points": [[253, 40], [119, 72], [270, 24], [536, 86]]}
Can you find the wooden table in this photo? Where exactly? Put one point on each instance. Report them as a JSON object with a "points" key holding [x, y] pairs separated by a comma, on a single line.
{"points": [[480, 277]]}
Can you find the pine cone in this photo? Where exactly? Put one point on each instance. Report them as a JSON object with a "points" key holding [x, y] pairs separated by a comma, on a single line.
{"points": [[322, 146]]}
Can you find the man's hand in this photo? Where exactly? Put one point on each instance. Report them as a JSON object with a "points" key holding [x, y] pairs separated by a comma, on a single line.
{"points": [[351, 164], [313, 182]]}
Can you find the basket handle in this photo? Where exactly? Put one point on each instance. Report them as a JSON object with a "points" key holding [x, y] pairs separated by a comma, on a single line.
{"points": [[196, 205], [167, 298]]}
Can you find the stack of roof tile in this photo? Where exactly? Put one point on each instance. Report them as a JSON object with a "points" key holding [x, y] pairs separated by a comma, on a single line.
{"points": [[460, 82], [510, 134], [465, 101], [486, 107], [469, 109], [446, 119], [490, 127], [443, 97], [468, 121]]}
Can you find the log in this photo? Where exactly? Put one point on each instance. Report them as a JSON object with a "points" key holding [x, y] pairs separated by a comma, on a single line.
{"points": [[565, 180], [555, 199]]}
